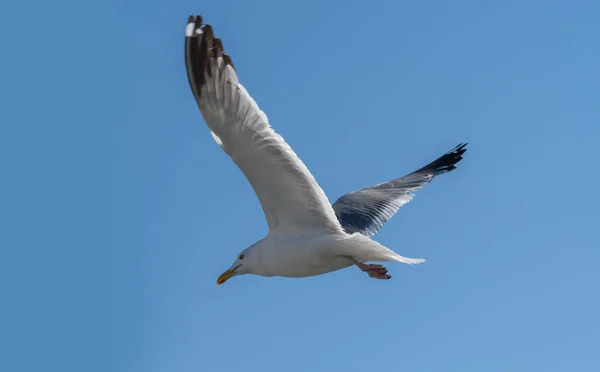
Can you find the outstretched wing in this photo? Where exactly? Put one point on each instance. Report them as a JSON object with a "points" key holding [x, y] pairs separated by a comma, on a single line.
{"points": [[368, 209], [291, 199]]}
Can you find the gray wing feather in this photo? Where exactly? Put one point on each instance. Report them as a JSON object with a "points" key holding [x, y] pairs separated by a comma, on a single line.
{"points": [[367, 210]]}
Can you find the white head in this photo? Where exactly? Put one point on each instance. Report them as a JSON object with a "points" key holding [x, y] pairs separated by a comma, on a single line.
{"points": [[243, 264]]}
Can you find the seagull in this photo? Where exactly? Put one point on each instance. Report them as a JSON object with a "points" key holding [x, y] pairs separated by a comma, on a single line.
{"points": [[307, 235]]}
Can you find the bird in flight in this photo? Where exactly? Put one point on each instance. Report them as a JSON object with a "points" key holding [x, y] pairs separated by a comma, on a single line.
{"points": [[307, 235]]}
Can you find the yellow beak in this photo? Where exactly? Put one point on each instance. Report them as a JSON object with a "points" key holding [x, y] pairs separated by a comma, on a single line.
{"points": [[225, 276]]}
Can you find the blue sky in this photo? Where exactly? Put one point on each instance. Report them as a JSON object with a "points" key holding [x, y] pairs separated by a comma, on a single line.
{"points": [[120, 211]]}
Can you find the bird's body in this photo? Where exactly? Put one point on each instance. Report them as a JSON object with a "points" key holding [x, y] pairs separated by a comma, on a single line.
{"points": [[307, 234], [316, 253], [300, 256]]}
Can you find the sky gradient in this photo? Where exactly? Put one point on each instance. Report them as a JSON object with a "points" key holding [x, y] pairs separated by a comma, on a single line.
{"points": [[120, 211]]}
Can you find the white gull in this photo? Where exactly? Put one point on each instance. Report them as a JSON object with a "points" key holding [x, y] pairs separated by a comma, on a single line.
{"points": [[307, 235]]}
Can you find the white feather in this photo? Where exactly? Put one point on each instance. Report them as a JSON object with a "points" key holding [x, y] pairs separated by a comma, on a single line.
{"points": [[292, 200]]}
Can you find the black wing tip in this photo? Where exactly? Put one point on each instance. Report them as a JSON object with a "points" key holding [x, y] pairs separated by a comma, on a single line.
{"points": [[461, 147], [193, 24], [195, 27], [212, 45], [448, 161], [201, 46], [445, 163], [217, 47], [197, 19]]}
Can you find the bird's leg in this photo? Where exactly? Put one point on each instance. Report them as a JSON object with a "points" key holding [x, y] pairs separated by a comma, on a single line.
{"points": [[373, 270]]}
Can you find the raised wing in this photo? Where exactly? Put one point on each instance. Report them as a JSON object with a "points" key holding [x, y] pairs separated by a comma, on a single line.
{"points": [[290, 197], [368, 209]]}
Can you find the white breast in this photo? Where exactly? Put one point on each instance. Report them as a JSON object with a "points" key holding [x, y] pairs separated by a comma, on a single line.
{"points": [[303, 256]]}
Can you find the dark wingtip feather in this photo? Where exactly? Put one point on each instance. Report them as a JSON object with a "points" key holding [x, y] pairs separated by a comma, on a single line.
{"points": [[201, 46], [228, 61], [445, 163], [208, 33], [217, 47], [198, 21]]}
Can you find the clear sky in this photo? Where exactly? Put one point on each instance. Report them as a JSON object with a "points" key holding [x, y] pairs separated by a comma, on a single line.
{"points": [[120, 211]]}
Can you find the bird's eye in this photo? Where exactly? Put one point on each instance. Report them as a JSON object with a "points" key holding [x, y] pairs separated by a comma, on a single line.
{"points": [[241, 256]]}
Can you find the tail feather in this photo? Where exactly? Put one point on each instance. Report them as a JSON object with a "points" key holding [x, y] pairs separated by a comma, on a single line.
{"points": [[407, 260], [364, 249]]}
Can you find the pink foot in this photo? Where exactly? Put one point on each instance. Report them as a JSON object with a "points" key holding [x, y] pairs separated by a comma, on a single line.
{"points": [[374, 271]]}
